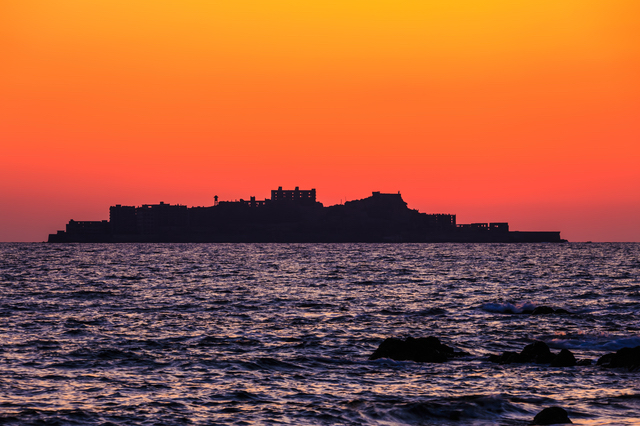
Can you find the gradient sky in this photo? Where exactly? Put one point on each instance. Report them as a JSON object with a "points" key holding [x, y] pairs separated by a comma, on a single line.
{"points": [[526, 112]]}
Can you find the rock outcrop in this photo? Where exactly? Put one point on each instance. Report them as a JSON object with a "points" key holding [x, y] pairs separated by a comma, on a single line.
{"points": [[628, 358], [564, 359], [545, 310], [551, 416], [536, 353], [422, 349]]}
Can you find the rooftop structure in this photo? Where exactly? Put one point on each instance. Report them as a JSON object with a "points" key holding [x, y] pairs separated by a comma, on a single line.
{"points": [[296, 195]]}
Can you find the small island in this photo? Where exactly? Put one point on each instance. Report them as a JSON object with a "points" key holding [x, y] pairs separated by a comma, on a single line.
{"points": [[289, 216]]}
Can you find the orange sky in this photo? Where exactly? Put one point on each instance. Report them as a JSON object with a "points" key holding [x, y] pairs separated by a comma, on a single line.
{"points": [[526, 112]]}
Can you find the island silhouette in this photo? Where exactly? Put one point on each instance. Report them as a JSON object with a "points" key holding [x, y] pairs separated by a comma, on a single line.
{"points": [[289, 216]]}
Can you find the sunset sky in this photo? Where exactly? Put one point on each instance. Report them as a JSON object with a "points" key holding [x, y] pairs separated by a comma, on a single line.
{"points": [[526, 112]]}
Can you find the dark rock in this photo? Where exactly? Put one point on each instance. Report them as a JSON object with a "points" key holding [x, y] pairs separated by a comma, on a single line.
{"points": [[628, 358], [499, 359], [543, 310], [584, 362], [551, 416], [507, 357], [546, 310], [537, 352], [605, 360], [564, 359], [422, 349]]}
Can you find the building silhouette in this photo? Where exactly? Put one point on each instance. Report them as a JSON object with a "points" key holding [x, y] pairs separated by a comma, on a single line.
{"points": [[289, 216]]}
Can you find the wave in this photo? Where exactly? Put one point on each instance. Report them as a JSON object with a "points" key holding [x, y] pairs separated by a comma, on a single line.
{"points": [[603, 343], [270, 364], [464, 409], [508, 308]]}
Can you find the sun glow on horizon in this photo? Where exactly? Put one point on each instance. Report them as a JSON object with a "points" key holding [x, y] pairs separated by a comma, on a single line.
{"points": [[528, 112]]}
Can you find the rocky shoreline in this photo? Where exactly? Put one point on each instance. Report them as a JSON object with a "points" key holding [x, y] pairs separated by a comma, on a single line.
{"points": [[431, 350]]}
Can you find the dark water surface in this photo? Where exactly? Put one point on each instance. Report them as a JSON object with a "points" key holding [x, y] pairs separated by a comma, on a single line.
{"points": [[281, 333]]}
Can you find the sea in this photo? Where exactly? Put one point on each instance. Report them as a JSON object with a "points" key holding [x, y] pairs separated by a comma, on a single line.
{"points": [[269, 334]]}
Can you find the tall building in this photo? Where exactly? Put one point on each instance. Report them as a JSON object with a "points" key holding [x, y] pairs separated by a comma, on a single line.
{"points": [[296, 195]]}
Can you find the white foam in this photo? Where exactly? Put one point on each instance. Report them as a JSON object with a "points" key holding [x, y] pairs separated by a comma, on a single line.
{"points": [[628, 342], [605, 343]]}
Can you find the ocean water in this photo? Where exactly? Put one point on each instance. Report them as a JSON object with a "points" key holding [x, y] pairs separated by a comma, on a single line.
{"points": [[160, 334]]}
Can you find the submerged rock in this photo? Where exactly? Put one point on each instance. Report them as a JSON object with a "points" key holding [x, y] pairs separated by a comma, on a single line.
{"points": [[551, 416], [536, 353], [422, 349], [564, 359], [543, 310], [507, 357], [546, 310], [628, 358]]}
